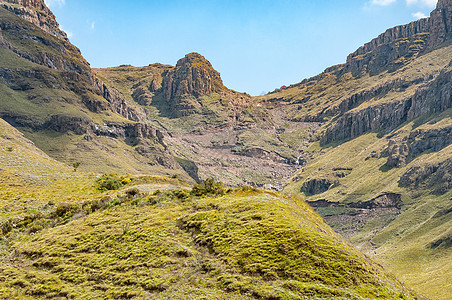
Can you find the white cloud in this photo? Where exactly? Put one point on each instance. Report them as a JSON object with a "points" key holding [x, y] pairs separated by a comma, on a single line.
{"points": [[419, 15], [93, 25], [53, 3], [383, 2], [429, 3]]}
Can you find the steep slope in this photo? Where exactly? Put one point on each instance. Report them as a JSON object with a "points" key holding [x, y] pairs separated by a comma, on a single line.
{"points": [[61, 237], [378, 169], [49, 92]]}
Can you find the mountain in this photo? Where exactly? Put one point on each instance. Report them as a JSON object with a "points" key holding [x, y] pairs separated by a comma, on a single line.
{"points": [[212, 130], [379, 167]]}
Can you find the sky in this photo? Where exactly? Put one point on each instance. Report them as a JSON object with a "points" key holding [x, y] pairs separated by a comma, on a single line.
{"points": [[256, 45]]}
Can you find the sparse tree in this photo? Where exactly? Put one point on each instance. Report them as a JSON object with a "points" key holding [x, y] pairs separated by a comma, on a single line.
{"points": [[76, 165]]}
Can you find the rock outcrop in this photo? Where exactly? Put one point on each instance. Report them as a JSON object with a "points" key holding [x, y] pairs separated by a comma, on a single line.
{"points": [[116, 101], [193, 76], [393, 48], [440, 24], [318, 185], [64, 57], [191, 79], [349, 218], [435, 176], [435, 98], [401, 152], [390, 50], [36, 12]]}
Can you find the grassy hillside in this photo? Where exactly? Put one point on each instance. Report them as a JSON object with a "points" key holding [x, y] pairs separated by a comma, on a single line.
{"points": [[62, 237], [413, 241]]}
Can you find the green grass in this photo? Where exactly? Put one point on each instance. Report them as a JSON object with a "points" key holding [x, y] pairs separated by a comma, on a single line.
{"points": [[248, 244]]}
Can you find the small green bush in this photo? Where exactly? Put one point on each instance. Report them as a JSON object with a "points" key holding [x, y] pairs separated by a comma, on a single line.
{"points": [[75, 166], [209, 187], [108, 183], [114, 202], [64, 210]]}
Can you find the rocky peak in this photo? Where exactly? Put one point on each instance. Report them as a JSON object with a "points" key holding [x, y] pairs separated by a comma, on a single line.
{"points": [[35, 4], [193, 76], [396, 46], [444, 4], [440, 24], [36, 12]]}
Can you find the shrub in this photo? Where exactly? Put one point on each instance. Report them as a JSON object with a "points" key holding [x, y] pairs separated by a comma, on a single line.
{"points": [[76, 165], [109, 182], [126, 180], [64, 210], [181, 194], [209, 187], [6, 227], [114, 202]]}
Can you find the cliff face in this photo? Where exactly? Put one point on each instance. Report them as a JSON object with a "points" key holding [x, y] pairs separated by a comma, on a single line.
{"points": [[390, 50], [57, 53], [440, 24], [436, 97], [36, 12], [386, 52], [192, 78]]}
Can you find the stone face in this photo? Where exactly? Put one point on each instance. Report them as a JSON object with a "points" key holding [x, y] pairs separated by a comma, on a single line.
{"points": [[397, 153], [193, 76], [437, 176], [117, 103], [419, 141], [440, 24], [317, 186], [36, 12], [395, 46], [184, 86]]}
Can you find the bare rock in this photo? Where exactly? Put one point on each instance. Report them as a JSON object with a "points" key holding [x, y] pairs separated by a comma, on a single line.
{"points": [[36, 12], [435, 176], [397, 153], [318, 185], [193, 76]]}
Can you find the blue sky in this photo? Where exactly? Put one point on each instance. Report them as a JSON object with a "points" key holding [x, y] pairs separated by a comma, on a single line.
{"points": [[256, 45]]}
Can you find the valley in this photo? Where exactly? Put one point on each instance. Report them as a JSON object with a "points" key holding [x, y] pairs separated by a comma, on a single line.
{"points": [[321, 189]]}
